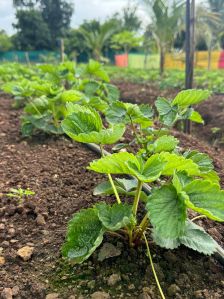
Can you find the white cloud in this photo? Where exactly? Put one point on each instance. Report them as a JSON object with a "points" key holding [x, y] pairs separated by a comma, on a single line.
{"points": [[84, 10]]}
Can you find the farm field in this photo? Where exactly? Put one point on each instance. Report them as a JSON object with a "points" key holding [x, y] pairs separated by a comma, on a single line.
{"points": [[52, 165]]}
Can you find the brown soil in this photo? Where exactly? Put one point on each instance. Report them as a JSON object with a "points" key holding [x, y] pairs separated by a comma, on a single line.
{"points": [[55, 169], [211, 110]]}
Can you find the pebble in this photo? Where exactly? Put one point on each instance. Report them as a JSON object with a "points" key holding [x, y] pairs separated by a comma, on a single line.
{"points": [[131, 287], [12, 232], [40, 220], [2, 226], [108, 250], [144, 295], [25, 253], [173, 289], [7, 293], [100, 295], [198, 294], [52, 296], [113, 279], [15, 290], [2, 260]]}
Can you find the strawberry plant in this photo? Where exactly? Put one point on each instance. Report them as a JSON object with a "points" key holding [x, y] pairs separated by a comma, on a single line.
{"points": [[179, 181]]}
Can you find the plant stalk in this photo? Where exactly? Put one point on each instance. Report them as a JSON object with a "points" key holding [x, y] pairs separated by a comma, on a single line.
{"points": [[198, 217], [153, 269], [114, 188], [137, 197], [111, 180]]}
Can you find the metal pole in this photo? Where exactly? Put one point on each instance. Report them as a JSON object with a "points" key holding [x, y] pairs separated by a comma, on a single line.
{"points": [[189, 48]]}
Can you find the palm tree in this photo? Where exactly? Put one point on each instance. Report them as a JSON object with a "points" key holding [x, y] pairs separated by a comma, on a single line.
{"points": [[207, 24], [165, 24], [96, 39]]}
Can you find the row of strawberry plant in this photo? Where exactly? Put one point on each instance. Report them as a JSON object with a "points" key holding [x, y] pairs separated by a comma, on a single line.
{"points": [[89, 111]]}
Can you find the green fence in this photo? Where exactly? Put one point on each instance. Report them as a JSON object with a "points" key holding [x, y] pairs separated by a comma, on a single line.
{"points": [[29, 56]]}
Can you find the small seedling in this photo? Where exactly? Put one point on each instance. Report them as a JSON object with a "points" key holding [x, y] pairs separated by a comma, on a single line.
{"points": [[20, 193]]}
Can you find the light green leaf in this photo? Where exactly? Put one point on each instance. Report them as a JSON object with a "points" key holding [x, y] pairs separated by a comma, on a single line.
{"points": [[167, 212], [113, 93], [211, 176], [164, 143], [206, 198], [116, 216], [196, 117], [81, 119], [84, 235], [185, 98], [163, 106], [115, 163], [105, 136], [94, 68], [71, 96], [178, 163], [152, 169], [202, 160], [180, 180], [168, 114]]}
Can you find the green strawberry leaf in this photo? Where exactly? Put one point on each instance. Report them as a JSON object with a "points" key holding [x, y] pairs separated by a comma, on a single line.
{"points": [[206, 198], [116, 216], [164, 143], [167, 212], [189, 97], [84, 235]]}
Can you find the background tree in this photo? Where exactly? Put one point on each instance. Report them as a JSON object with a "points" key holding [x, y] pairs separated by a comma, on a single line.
{"points": [[165, 17], [56, 14], [32, 31], [96, 38], [126, 40], [5, 42], [207, 24]]}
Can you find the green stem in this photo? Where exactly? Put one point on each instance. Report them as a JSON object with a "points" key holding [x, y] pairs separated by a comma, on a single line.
{"points": [[111, 180], [153, 269], [137, 197], [141, 229], [34, 106], [198, 217], [144, 222], [114, 188]]}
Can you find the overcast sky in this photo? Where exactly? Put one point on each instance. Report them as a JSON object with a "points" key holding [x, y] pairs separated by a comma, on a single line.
{"points": [[84, 9]]}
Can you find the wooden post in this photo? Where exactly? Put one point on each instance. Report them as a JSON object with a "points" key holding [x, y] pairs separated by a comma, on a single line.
{"points": [[27, 58], [190, 47], [62, 50]]}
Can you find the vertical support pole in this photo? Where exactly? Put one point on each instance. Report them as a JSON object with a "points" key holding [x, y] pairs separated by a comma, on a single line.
{"points": [[189, 48], [62, 50], [27, 58]]}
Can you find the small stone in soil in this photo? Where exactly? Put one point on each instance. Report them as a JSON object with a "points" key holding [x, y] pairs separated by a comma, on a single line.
{"points": [[144, 296], [6, 293], [113, 279], [40, 220], [25, 252], [15, 290], [100, 295], [173, 290], [108, 250], [52, 296], [2, 261]]}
